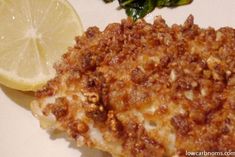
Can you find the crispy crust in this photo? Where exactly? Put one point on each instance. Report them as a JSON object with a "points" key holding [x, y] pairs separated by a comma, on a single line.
{"points": [[149, 89]]}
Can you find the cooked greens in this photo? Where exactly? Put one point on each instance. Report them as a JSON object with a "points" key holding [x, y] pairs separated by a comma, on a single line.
{"points": [[139, 8]]}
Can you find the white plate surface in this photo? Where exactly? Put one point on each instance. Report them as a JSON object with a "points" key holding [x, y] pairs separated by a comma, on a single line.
{"points": [[20, 134]]}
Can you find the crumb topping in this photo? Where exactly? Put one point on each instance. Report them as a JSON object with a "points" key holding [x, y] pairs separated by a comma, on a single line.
{"points": [[179, 81]]}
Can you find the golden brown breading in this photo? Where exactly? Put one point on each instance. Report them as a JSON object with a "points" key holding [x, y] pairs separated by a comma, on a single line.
{"points": [[145, 90]]}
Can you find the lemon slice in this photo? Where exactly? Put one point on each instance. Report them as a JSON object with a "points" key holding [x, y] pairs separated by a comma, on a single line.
{"points": [[33, 36]]}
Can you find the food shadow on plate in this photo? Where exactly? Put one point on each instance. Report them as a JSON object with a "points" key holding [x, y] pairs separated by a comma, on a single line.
{"points": [[85, 151], [23, 99]]}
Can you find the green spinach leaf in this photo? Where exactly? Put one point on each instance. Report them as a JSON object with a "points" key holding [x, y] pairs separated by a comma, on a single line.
{"points": [[139, 8]]}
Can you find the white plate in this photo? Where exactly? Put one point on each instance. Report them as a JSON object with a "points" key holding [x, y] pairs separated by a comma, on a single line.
{"points": [[20, 134]]}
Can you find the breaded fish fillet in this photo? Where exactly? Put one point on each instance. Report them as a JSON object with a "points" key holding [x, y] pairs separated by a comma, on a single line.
{"points": [[145, 90]]}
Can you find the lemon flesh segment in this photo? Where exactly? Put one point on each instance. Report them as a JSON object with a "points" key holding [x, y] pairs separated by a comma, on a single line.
{"points": [[33, 36]]}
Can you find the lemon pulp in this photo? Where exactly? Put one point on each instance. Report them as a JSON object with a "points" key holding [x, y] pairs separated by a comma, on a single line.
{"points": [[33, 36]]}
